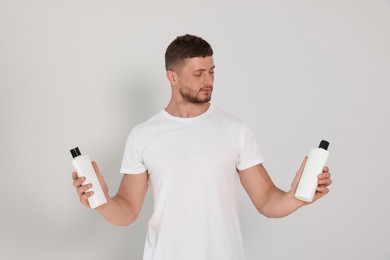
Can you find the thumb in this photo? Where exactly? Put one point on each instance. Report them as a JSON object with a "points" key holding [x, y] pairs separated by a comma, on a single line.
{"points": [[96, 168], [295, 182], [100, 176]]}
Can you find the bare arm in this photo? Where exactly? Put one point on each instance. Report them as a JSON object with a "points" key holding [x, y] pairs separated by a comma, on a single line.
{"points": [[273, 202], [123, 208]]}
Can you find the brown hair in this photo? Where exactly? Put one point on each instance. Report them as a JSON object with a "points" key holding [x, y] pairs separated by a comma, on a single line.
{"points": [[183, 47]]}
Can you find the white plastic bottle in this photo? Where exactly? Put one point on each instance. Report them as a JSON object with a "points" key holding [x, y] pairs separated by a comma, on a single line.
{"points": [[83, 166], [315, 163]]}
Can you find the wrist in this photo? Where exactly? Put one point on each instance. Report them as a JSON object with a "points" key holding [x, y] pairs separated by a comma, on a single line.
{"points": [[102, 208], [296, 203]]}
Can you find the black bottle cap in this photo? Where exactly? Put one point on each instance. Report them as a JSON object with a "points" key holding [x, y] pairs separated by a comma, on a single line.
{"points": [[324, 145], [75, 152]]}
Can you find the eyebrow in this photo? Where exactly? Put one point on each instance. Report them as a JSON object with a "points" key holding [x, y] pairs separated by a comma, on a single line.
{"points": [[213, 67]]}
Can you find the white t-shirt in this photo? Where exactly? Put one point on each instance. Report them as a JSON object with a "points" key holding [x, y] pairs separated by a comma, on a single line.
{"points": [[192, 165]]}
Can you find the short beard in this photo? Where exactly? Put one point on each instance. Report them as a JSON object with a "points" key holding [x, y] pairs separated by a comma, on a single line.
{"points": [[193, 99]]}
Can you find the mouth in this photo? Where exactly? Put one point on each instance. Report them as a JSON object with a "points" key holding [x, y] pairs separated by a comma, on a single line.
{"points": [[206, 89]]}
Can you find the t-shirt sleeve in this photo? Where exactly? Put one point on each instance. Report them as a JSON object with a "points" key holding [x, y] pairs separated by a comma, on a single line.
{"points": [[250, 154], [132, 162]]}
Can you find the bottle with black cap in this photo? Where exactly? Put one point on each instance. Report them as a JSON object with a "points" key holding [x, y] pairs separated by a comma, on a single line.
{"points": [[315, 163], [83, 166]]}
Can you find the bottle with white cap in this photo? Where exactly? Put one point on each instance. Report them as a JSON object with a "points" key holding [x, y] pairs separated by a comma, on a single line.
{"points": [[315, 163], [83, 166]]}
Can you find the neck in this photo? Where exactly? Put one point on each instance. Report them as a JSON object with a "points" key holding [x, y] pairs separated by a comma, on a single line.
{"points": [[186, 110]]}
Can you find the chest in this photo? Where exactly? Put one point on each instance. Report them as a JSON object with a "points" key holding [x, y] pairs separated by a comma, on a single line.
{"points": [[192, 150]]}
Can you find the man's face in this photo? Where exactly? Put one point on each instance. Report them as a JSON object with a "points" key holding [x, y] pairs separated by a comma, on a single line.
{"points": [[195, 79]]}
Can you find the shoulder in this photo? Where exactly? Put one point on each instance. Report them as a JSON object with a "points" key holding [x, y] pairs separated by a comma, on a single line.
{"points": [[147, 124], [233, 123], [155, 126], [228, 118], [146, 127]]}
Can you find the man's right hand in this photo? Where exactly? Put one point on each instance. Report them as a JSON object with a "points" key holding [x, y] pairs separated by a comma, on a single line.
{"points": [[123, 208], [82, 189]]}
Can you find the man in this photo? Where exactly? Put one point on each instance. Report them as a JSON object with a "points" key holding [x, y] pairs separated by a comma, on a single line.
{"points": [[192, 155]]}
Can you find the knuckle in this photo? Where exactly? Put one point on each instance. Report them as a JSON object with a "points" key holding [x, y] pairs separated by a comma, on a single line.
{"points": [[76, 183], [81, 190], [80, 193], [83, 198]]}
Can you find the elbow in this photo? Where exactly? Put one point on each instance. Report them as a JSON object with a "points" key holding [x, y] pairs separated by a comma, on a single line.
{"points": [[126, 221], [268, 214], [265, 208], [129, 213], [123, 224], [273, 216], [272, 206], [269, 210], [262, 209]]}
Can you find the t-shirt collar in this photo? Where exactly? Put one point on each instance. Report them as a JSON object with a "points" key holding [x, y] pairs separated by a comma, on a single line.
{"points": [[188, 119]]}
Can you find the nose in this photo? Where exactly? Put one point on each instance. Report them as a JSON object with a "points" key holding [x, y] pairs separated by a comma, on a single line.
{"points": [[208, 79]]}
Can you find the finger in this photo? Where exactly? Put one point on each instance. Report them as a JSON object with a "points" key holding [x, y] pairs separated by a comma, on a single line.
{"points": [[324, 175], [319, 195], [325, 169], [96, 168], [78, 182], [300, 170], [84, 198], [74, 176], [322, 189], [297, 177], [325, 182], [98, 174], [303, 164], [299, 173], [83, 189]]}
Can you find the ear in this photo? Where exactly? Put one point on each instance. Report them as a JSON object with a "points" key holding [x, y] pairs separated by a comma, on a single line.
{"points": [[171, 76]]}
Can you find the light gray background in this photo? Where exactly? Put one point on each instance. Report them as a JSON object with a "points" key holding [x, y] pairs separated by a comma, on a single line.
{"points": [[83, 73]]}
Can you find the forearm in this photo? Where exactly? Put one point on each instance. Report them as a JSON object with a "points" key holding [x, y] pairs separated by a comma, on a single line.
{"points": [[118, 211], [279, 203]]}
